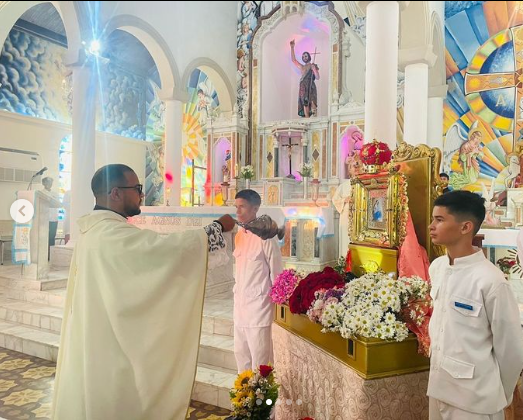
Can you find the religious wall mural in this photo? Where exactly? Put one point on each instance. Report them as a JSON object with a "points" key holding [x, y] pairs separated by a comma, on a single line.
{"points": [[202, 107], [35, 82], [31, 77], [122, 109], [483, 112]]}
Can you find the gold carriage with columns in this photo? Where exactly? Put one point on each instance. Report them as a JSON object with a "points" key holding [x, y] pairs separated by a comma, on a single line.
{"points": [[412, 178]]}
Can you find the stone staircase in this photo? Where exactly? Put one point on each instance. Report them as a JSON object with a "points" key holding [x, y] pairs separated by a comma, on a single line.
{"points": [[31, 318]]}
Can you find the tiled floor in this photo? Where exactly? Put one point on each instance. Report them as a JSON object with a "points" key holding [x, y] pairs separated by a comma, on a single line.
{"points": [[26, 387]]}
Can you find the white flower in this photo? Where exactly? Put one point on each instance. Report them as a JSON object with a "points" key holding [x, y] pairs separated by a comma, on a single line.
{"points": [[390, 318], [247, 172]]}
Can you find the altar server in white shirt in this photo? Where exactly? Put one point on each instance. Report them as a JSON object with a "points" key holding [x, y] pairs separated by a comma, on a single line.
{"points": [[475, 331], [258, 263]]}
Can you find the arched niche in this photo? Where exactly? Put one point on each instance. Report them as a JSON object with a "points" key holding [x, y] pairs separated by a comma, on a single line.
{"points": [[280, 78], [222, 153], [328, 20]]}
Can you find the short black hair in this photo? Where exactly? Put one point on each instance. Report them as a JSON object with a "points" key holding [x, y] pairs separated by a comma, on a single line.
{"points": [[464, 205], [108, 177], [251, 196], [443, 174]]}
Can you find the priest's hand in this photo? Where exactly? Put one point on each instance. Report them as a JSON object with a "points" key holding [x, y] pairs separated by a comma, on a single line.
{"points": [[227, 222]]}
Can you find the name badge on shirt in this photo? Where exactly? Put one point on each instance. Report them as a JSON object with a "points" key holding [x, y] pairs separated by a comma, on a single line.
{"points": [[463, 305]]}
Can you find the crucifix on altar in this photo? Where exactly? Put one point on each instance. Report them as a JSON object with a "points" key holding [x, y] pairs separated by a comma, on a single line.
{"points": [[289, 147]]}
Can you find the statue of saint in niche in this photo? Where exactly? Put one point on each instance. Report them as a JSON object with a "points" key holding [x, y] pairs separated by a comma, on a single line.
{"points": [[308, 94]]}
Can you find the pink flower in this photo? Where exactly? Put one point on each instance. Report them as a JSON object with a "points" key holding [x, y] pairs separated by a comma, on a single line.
{"points": [[283, 286]]}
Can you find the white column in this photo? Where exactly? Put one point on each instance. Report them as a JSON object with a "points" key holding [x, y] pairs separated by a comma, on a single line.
{"points": [[416, 103], [435, 123], [83, 147], [381, 71], [173, 151]]}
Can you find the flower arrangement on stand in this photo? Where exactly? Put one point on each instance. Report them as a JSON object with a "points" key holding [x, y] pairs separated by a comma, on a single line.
{"points": [[247, 173], [306, 170], [254, 394], [375, 306]]}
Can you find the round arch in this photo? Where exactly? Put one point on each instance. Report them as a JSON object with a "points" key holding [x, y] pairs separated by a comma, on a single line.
{"points": [[218, 77], [11, 11], [155, 44]]}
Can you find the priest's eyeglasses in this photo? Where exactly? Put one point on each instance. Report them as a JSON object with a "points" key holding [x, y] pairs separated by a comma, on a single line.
{"points": [[137, 187]]}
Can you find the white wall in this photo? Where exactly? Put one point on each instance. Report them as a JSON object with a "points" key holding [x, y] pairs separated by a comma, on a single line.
{"points": [[116, 149], [44, 137], [355, 74], [280, 78]]}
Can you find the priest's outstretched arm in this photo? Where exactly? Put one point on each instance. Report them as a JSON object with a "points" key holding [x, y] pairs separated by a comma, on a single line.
{"points": [[216, 241]]}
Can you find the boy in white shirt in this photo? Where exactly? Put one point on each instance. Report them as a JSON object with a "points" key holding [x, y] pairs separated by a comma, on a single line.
{"points": [[475, 331]]}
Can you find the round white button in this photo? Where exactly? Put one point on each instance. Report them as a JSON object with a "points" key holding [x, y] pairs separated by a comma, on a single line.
{"points": [[22, 211]]}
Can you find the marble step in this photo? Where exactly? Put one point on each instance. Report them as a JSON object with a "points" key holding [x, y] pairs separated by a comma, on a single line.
{"points": [[54, 297], [217, 324], [212, 385], [11, 277], [29, 340], [50, 317], [31, 314], [217, 351]]}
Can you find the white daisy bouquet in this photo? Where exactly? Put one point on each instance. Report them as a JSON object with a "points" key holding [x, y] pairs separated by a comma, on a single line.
{"points": [[374, 306]]}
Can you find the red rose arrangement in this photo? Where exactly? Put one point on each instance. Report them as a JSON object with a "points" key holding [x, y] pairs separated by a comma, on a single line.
{"points": [[375, 154], [303, 296]]}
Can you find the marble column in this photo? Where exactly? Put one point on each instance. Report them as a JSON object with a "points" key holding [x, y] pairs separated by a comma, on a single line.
{"points": [[83, 143], [173, 147], [381, 74], [416, 103], [416, 63]]}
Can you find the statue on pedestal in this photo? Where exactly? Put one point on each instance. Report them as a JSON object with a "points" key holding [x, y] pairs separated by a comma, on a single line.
{"points": [[308, 94], [226, 173]]}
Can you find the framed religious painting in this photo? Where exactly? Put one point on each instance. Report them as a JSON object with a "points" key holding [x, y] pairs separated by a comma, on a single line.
{"points": [[379, 209]]}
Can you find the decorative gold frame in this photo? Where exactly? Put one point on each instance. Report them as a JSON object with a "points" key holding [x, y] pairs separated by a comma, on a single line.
{"points": [[420, 164], [391, 230]]}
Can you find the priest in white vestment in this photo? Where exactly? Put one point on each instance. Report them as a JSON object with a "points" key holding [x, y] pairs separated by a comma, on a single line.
{"points": [[131, 326]]}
